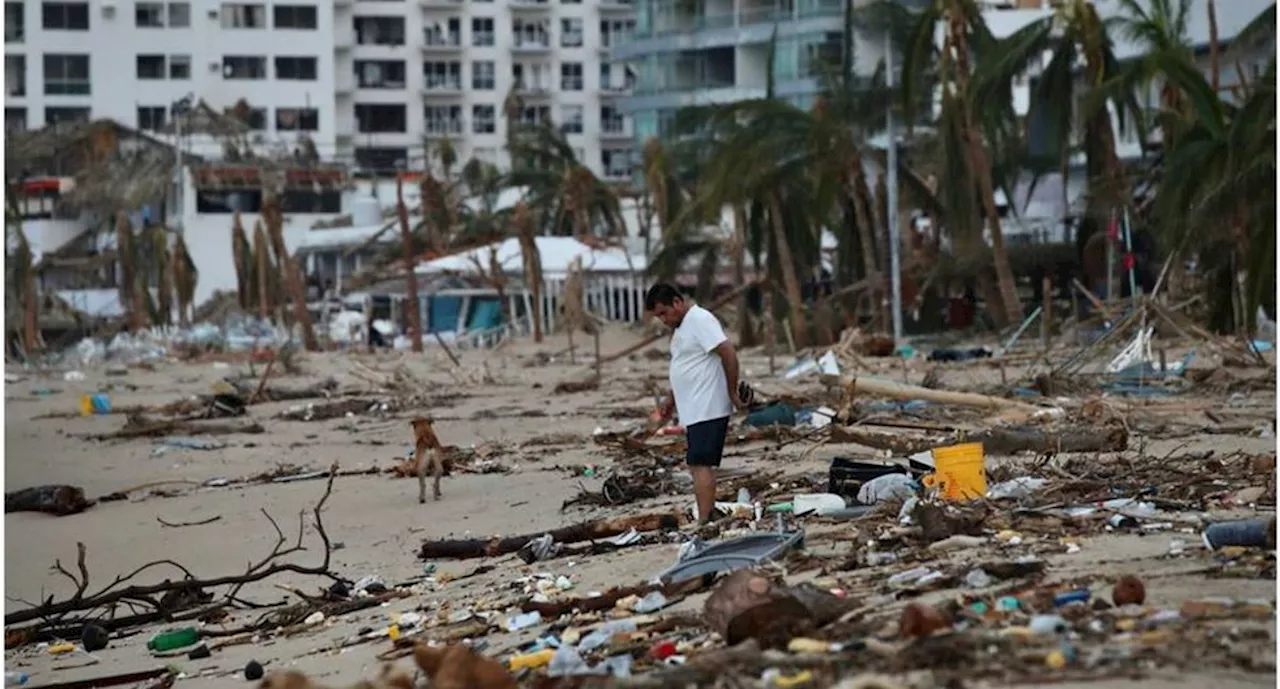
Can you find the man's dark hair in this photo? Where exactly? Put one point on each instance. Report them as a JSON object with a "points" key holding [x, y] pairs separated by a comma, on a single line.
{"points": [[661, 293]]}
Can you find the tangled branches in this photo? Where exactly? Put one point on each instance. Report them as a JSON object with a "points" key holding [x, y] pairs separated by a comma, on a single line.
{"points": [[168, 600]]}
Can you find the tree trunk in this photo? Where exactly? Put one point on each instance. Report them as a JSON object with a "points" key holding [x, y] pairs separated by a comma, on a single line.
{"points": [[410, 277], [30, 309], [1215, 73], [184, 279], [129, 298], [532, 266], [292, 274], [738, 256], [262, 270], [238, 246], [164, 279], [1011, 311], [790, 282]]}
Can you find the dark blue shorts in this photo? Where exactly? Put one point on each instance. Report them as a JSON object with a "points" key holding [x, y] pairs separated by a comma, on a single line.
{"points": [[706, 442]]}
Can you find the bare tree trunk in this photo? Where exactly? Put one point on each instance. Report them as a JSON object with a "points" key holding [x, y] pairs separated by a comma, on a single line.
{"points": [[738, 256], [532, 265], [184, 280], [125, 254], [292, 274], [30, 311], [790, 282], [239, 244], [262, 270], [410, 277], [1011, 310], [164, 268], [1215, 72]]}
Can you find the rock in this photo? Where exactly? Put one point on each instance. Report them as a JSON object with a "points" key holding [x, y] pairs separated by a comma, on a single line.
{"points": [[1129, 590], [253, 671], [94, 638], [920, 620], [1248, 496]]}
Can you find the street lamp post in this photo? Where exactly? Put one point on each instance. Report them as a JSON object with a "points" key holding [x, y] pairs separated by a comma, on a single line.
{"points": [[891, 184]]}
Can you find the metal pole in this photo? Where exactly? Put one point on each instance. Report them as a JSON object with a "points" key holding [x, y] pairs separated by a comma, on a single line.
{"points": [[891, 184]]}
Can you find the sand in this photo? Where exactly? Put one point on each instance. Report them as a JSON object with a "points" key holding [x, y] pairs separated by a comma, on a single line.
{"points": [[377, 519]]}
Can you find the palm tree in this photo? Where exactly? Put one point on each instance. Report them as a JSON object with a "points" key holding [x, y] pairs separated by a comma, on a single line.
{"points": [[126, 253], [410, 268], [1074, 34], [965, 133], [292, 272], [523, 222], [571, 200], [242, 255]]}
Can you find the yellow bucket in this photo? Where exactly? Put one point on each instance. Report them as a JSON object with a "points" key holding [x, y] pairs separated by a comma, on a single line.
{"points": [[959, 472]]}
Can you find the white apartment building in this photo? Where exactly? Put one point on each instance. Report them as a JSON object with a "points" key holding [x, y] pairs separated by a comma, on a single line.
{"points": [[374, 83]]}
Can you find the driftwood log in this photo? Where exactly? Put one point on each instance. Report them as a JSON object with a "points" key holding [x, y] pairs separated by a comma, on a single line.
{"points": [[138, 426], [996, 441], [576, 533], [59, 500]]}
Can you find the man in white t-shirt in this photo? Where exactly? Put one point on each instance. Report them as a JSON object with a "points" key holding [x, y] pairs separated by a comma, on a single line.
{"points": [[704, 386]]}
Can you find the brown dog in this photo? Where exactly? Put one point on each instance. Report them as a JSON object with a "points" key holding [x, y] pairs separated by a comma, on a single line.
{"points": [[458, 667], [427, 450]]}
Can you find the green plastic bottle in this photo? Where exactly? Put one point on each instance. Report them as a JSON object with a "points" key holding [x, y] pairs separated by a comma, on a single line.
{"points": [[173, 639]]}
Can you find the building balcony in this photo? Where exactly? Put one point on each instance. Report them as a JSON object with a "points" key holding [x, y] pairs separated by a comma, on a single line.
{"points": [[616, 174], [617, 7], [616, 130], [528, 47], [530, 6], [438, 42], [440, 129], [450, 88], [440, 4], [534, 91]]}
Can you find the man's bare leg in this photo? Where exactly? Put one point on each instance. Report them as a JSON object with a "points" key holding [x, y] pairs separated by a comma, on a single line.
{"points": [[704, 491]]}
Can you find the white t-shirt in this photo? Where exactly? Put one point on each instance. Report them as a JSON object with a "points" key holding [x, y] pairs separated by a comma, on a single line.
{"points": [[697, 374]]}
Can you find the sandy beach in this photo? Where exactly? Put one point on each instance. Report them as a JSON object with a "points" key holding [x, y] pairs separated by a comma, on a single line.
{"points": [[501, 403]]}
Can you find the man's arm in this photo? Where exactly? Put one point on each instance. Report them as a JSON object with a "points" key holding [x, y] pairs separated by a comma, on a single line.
{"points": [[729, 357]]}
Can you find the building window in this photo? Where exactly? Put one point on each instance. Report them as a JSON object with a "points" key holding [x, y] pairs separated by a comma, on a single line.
{"points": [[65, 16], [443, 75], [612, 121], [15, 119], [150, 67], [380, 74], [243, 16], [374, 118], [297, 119], [15, 75], [244, 67], [296, 68], [180, 67], [530, 34], [482, 31], [382, 158], [482, 75], [65, 115], [66, 75], [296, 201], [535, 115], [245, 201], [253, 118], [484, 119], [616, 162], [380, 30], [151, 118], [570, 2], [571, 76], [571, 33], [148, 15], [614, 32], [571, 119], [179, 15], [444, 119], [294, 16], [15, 22]]}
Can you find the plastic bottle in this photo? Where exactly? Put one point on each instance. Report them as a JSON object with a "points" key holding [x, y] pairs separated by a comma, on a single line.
{"points": [[173, 639], [15, 679], [532, 661], [604, 633]]}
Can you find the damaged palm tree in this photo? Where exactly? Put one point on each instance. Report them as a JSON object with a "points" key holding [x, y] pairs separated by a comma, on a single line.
{"points": [[163, 266], [185, 277], [130, 299], [436, 212], [573, 314], [532, 265], [23, 280], [292, 274], [410, 265], [263, 272], [242, 255]]}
